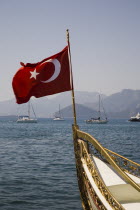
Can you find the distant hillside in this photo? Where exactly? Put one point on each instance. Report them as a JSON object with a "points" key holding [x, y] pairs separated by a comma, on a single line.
{"points": [[82, 112], [119, 105], [126, 99], [123, 104], [47, 106]]}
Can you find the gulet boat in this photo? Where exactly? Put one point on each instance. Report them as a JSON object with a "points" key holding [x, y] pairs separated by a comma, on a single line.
{"points": [[106, 179]]}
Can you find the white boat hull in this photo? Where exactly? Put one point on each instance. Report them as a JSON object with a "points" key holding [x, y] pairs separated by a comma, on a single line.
{"points": [[58, 119], [27, 121], [96, 121]]}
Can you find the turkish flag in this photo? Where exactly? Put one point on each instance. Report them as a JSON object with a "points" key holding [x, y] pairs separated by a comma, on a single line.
{"points": [[50, 76]]}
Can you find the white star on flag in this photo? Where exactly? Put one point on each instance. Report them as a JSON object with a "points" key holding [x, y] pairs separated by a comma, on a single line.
{"points": [[33, 74]]}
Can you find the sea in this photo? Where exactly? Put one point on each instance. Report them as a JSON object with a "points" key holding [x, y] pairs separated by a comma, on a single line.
{"points": [[37, 163]]}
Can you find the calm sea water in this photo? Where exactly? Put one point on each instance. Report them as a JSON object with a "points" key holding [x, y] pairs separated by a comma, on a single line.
{"points": [[37, 165]]}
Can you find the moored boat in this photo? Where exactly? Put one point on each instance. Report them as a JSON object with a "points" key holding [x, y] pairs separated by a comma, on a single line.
{"points": [[99, 119], [135, 118], [58, 119], [58, 116], [27, 118]]}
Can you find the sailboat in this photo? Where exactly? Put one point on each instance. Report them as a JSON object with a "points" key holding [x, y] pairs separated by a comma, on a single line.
{"points": [[27, 118], [135, 118], [58, 117], [99, 119]]}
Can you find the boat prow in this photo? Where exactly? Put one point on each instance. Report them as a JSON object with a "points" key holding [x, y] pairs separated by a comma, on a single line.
{"points": [[106, 179]]}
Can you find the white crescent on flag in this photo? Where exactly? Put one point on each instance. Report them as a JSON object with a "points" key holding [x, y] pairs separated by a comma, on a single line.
{"points": [[56, 71]]}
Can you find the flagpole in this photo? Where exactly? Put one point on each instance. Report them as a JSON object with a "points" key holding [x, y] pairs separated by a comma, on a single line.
{"points": [[72, 91]]}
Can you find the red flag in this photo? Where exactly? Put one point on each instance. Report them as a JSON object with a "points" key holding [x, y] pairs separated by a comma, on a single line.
{"points": [[50, 76]]}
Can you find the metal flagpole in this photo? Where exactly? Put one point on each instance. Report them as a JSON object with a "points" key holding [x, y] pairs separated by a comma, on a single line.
{"points": [[72, 91]]}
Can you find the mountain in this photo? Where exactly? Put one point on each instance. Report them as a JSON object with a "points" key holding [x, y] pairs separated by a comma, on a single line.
{"points": [[82, 112], [126, 99], [123, 104], [119, 105], [47, 106]]}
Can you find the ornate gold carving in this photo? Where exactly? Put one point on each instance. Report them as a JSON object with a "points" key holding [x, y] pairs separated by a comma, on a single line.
{"points": [[88, 194], [100, 184], [107, 157], [125, 164], [84, 184]]}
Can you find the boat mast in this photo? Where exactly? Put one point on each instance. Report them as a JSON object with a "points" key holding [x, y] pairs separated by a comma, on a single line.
{"points": [[29, 109], [33, 111], [59, 111], [99, 107], [103, 109]]}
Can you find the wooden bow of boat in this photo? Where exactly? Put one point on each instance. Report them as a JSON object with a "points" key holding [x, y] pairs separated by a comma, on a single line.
{"points": [[106, 180]]}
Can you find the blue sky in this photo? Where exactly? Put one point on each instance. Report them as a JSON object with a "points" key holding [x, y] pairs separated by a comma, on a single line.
{"points": [[104, 37]]}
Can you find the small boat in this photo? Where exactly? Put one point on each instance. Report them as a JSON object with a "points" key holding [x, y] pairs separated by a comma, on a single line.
{"points": [[27, 118], [135, 118], [100, 119], [97, 121], [58, 117]]}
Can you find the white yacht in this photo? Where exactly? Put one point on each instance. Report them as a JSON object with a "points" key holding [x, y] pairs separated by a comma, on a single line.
{"points": [[135, 118], [58, 117], [99, 119], [27, 118]]}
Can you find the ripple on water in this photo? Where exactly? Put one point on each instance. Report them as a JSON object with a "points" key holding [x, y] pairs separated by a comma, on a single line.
{"points": [[37, 161]]}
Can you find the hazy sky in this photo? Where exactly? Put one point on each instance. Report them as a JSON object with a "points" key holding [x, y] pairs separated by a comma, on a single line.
{"points": [[104, 37]]}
